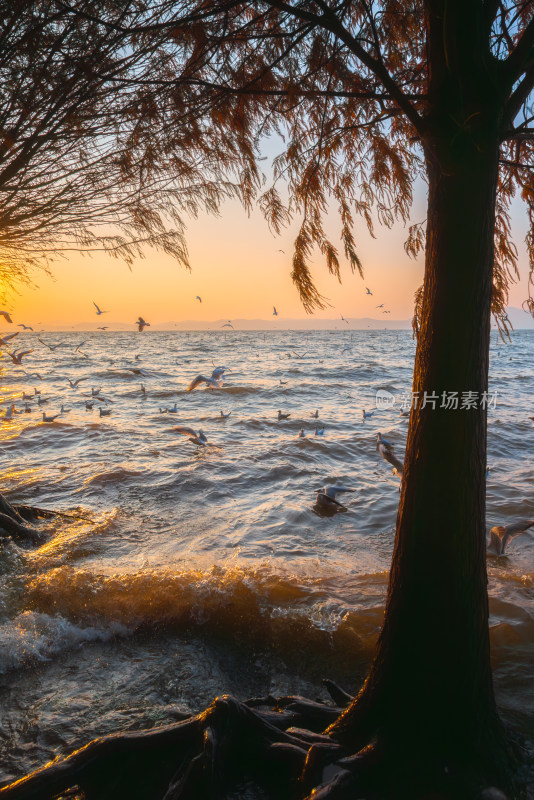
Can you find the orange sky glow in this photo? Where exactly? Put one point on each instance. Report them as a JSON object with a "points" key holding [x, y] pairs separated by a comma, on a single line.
{"points": [[240, 273]]}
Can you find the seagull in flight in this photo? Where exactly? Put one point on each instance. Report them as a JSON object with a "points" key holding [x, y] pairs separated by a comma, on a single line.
{"points": [[227, 325], [197, 438], [327, 496], [5, 339], [25, 327], [18, 355], [102, 328], [500, 535], [74, 384], [141, 324], [198, 298], [275, 312], [51, 347], [214, 382], [78, 346], [385, 449], [368, 291], [381, 305], [343, 319], [7, 316], [99, 310]]}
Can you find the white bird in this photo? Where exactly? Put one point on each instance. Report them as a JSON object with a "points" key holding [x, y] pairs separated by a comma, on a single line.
{"points": [[88, 405], [215, 382], [367, 291], [141, 324], [197, 438], [139, 371], [225, 416], [41, 401], [8, 416], [227, 325], [173, 409], [25, 327], [27, 408], [74, 384], [367, 414], [198, 298], [98, 310], [500, 535], [47, 418], [5, 339], [283, 383], [403, 413], [275, 312], [343, 319], [64, 410], [95, 392], [302, 434], [103, 328], [27, 396], [385, 449], [104, 412], [18, 355], [7, 316], [381, 305], [319, 431], [316, 415], [282, 416], [327, 496], [79, 345]]}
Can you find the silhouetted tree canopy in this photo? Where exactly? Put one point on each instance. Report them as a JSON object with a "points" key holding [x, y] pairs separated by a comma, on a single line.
{"points": [[69, 103], [354, 90]]}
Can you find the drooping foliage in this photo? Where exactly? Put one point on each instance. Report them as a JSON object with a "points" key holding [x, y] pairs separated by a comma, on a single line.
{"points": [[69, 104], [345, 87]]}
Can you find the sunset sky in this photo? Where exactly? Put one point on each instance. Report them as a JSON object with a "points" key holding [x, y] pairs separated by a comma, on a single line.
{"points": [[240, 273]]}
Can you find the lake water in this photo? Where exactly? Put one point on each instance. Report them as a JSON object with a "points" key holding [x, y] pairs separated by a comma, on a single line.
{"points": [[202, 570]]}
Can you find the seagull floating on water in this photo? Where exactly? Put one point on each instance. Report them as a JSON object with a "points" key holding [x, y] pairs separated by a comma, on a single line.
{"points": [[47, 418], [224, 416], [282, 416], [316, 414], [500, 535], [104, 412], [367, 414], [302, 434], [327, 496], [319, 431]]}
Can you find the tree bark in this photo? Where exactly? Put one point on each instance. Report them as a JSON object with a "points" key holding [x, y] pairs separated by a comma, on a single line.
{"points": [[430, 686]]}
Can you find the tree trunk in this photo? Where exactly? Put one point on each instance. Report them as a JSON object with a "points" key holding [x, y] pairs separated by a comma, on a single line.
{"points": [[430, 686]]}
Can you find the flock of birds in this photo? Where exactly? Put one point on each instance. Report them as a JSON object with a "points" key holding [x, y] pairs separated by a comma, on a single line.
{"points": [[326, 498]]}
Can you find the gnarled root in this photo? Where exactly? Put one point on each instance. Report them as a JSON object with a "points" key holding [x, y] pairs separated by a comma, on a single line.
{"points": [[13, 524], [200, 757], [231, 744]]}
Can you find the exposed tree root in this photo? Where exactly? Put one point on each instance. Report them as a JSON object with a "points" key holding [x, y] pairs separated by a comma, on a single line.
{"points": [[13, 524], [14, 521], [209, 756]]}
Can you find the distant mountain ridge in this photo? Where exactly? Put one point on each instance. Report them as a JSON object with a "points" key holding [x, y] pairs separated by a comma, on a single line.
{"points": [[519, 319]]}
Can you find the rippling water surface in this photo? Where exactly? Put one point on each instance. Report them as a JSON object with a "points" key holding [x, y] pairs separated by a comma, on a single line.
{"points": [[194, 571]]}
